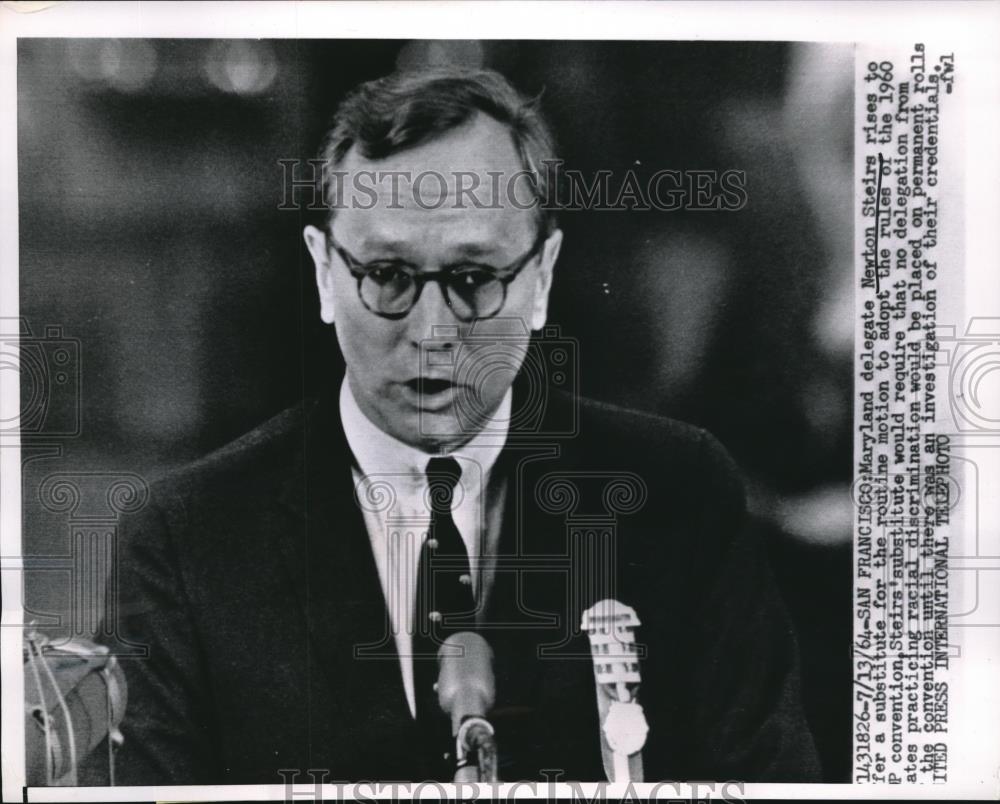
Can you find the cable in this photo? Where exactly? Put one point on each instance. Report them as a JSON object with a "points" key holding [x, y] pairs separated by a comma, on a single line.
{"points": [[44, 708], [109, 683], [69, 723]]}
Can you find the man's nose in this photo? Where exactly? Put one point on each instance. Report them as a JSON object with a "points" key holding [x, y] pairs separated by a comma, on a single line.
{"points": [[429, 313]]}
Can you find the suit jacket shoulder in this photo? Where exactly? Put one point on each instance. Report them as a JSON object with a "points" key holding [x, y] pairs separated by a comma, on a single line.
{"points": [[660, 445], [680, 472], [259, 458]]}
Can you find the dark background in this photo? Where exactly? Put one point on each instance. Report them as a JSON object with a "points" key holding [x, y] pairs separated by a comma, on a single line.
{"points": [[149, 185]]}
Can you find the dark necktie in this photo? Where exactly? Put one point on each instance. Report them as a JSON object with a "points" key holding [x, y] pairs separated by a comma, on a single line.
{"points": [[445, 603]]}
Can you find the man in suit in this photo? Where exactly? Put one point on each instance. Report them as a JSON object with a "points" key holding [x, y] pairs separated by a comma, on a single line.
{"points": [[293, 587]]}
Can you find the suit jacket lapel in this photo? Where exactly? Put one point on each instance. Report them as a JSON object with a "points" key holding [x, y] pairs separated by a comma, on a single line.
{"points": [[329, 558]]}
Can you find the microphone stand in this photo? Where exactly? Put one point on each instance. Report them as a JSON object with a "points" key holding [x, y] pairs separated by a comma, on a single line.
{"points": [[475, 737], [466, 693]]}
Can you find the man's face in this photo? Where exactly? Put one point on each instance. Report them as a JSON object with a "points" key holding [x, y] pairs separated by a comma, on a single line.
{"points": [[419, 377]]}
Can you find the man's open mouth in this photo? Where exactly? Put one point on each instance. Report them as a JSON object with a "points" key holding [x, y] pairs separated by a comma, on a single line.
{"points": [[429, 387]]}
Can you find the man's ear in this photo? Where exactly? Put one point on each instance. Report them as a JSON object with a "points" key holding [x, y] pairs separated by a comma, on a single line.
{"points": [[550, 253], [316, 243]]}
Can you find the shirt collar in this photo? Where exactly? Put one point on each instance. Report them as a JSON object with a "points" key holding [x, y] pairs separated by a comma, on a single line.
{"points": [[377, 452]]}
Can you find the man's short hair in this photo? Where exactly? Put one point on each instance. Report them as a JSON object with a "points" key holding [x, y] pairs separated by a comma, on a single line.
{"points": [[405, 109]]}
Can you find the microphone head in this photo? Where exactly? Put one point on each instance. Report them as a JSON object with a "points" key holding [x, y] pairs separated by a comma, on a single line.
{"points": [[466, 686]]}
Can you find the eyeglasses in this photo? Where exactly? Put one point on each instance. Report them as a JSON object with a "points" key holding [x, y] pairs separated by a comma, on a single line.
{"points": [[391, 288]]}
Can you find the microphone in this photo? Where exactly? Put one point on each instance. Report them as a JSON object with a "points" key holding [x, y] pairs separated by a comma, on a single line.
{"points": [[75, 697], [611, 625], [466, 692]]}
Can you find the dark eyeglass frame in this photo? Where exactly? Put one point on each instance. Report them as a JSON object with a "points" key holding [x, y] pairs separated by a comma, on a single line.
{"points": [[504, 275]]}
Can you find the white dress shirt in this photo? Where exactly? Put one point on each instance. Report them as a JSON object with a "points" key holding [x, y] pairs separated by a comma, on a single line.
{"points": [[391, 487]]}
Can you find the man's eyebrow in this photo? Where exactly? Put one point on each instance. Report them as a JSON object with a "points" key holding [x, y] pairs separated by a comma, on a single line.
{"points": [[473, 249], [376, 243], [390, 246]]}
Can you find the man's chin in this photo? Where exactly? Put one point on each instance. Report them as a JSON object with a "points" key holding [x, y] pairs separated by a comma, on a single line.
{"points": [[440, 431]]}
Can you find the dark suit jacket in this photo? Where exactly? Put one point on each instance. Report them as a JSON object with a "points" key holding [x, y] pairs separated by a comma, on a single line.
{"points": [[251, 579]]}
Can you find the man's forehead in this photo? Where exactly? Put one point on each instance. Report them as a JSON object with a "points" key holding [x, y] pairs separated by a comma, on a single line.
{"points": [[475, 164], [480, 144], [412, 233]]}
